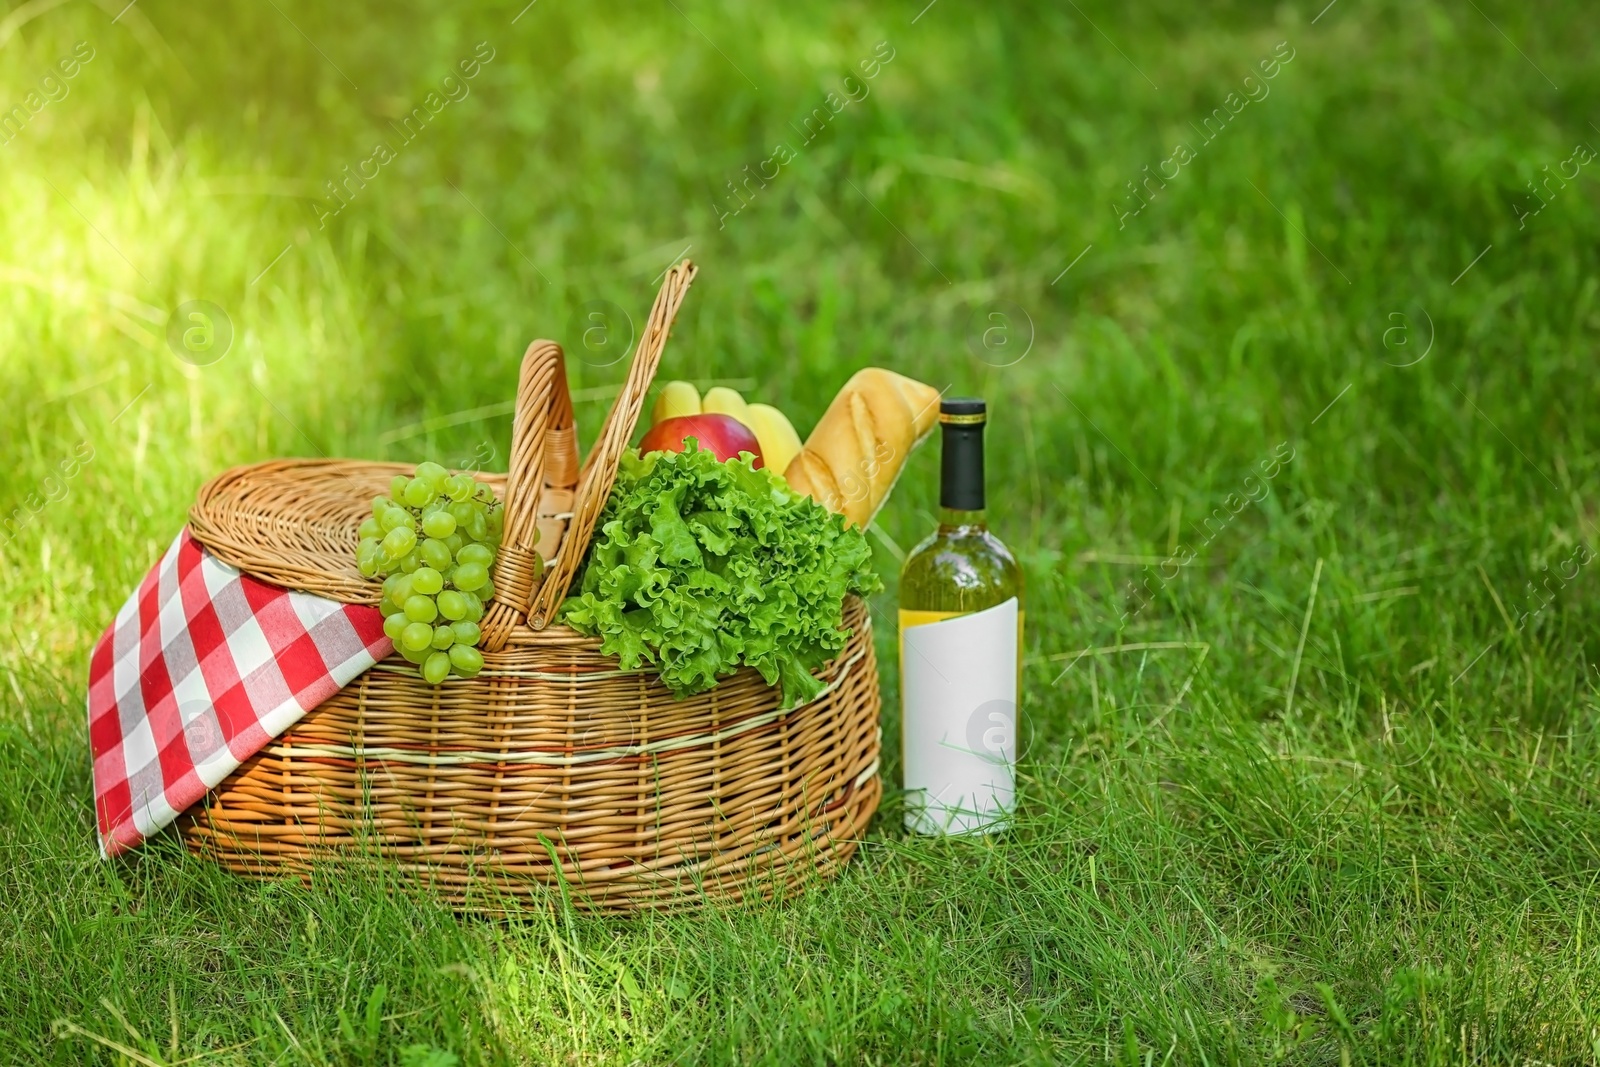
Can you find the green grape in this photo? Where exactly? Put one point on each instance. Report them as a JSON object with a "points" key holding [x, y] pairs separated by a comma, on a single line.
{"points": [[452, 605], [439, 524], [421, 608], [435, 553], [466, 659], [433, 541], [400, 589], [416, 636], [392, 518], [436, 668], [427, 581], [399, 540], [433, 474], [470, 576], [419, 493], [384, 523]]}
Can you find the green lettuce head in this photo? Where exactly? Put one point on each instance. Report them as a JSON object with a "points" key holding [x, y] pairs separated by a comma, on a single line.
{"points": [[702, 567]]}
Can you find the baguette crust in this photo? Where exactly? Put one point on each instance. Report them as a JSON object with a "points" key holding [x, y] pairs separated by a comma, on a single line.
{"points": [[856, 452]]}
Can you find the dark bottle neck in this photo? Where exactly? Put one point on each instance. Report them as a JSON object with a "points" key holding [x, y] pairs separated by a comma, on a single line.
{"points": [[961, 471]]}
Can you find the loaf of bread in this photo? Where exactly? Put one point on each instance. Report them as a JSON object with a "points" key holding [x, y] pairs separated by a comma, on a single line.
{"points": [[861, 443]]}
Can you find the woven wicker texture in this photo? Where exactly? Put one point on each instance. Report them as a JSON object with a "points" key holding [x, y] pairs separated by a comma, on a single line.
{"points": [[553, 767], [554, 764]]}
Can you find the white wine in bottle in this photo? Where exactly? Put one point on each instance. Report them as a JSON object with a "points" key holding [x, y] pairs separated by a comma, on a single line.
{"points": [[960, 649]]}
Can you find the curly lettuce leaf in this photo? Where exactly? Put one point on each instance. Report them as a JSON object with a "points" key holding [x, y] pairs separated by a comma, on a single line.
{"points": [[701, 567]]}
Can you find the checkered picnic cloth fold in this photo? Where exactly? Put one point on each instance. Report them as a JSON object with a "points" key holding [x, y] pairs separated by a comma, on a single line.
{"points": [[203, 667]]}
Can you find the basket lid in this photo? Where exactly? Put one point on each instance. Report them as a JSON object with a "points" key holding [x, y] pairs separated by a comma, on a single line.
{"points": [[294, 522]]}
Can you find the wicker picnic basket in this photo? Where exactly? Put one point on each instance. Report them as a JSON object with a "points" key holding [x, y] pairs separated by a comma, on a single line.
{"points": [[553, 768]]}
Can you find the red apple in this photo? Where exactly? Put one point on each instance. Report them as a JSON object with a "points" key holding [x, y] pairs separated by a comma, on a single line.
{"points": [[722, 435]]}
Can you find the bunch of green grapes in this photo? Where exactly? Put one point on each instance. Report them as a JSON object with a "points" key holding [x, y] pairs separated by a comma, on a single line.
{"points": [[432, 540]]}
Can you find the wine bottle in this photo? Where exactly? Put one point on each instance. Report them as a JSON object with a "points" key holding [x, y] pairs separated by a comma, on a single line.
{"points": [[960, 650]]}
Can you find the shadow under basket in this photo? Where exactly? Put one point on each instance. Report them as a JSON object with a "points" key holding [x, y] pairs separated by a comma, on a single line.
{"points": [[553, 771]]}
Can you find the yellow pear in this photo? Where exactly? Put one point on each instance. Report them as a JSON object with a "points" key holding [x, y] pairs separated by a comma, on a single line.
{"points": [[721, 400], [779, 442], [675, 398]]}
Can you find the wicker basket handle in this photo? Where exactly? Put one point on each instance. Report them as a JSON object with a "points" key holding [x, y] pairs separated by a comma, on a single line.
{"points": [[544, 451], [600, 468]]}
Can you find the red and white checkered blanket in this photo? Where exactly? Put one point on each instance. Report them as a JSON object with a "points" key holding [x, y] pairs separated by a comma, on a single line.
{"points": [[203, 667]]}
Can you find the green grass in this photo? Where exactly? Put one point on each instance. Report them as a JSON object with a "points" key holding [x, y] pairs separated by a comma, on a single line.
{"points": [[1397, 865]]}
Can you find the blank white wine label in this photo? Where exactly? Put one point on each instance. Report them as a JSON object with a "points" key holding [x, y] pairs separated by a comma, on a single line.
{"points": [[959, 700]]}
